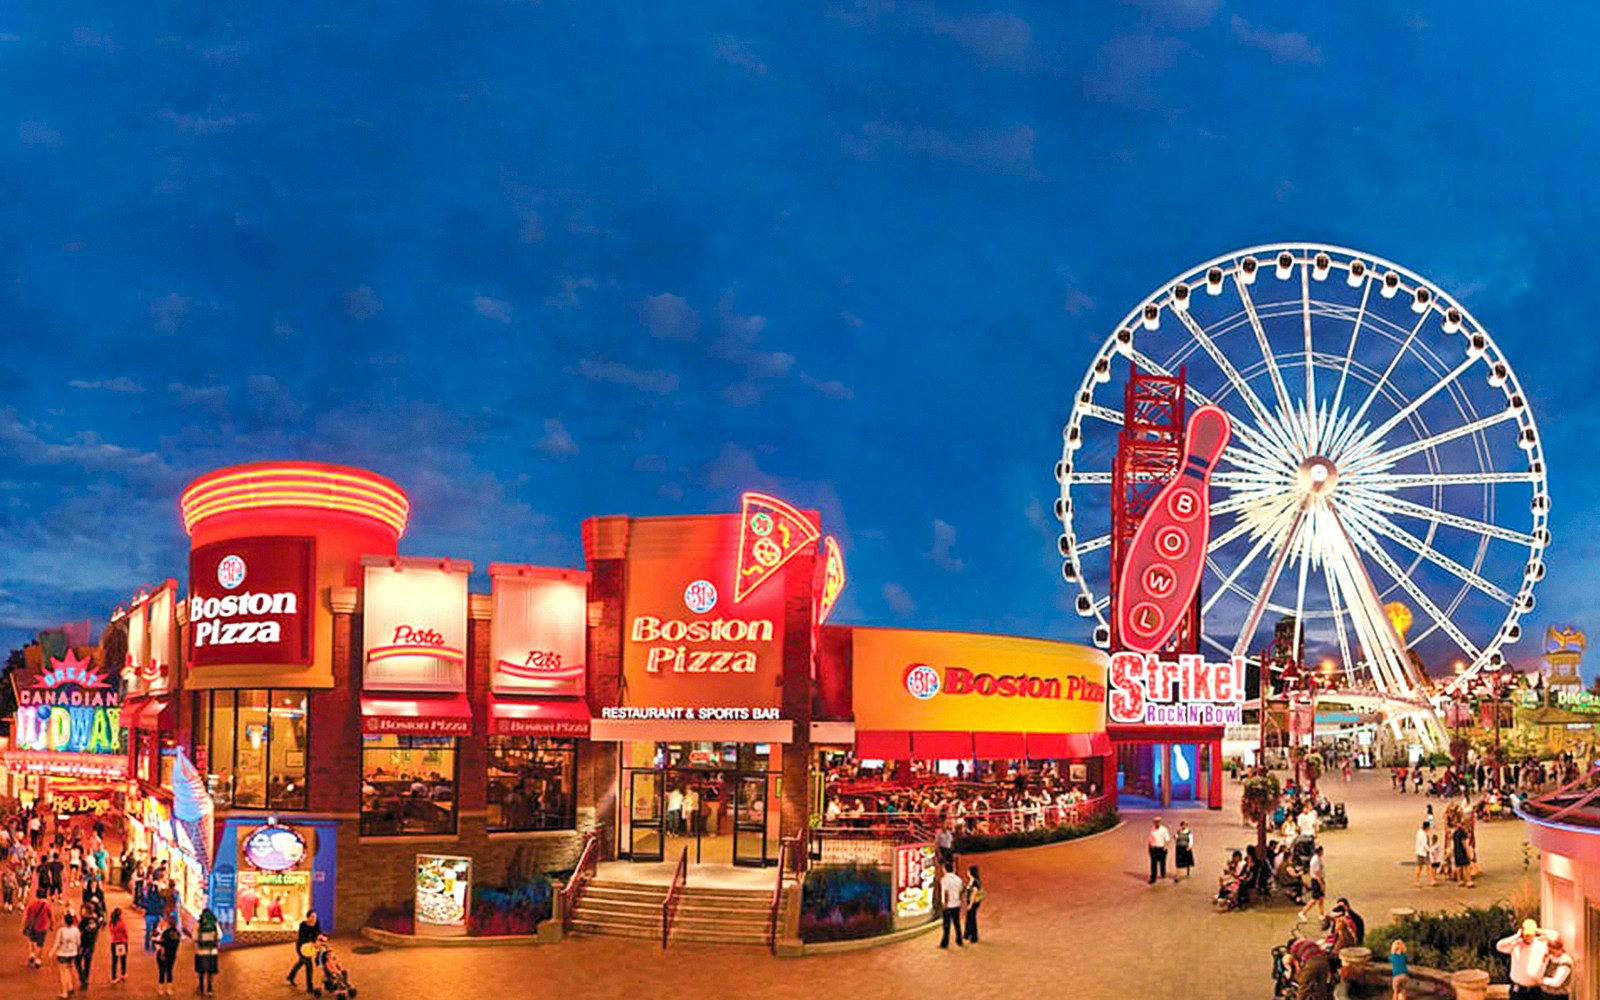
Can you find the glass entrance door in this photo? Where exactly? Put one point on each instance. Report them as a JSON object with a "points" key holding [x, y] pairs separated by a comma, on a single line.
{"points": [[644, 816], [750, 821]]}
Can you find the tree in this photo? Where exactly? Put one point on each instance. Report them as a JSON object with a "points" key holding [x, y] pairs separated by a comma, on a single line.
{"points": [[1313, 766], [15, 660], [1262, 793]]}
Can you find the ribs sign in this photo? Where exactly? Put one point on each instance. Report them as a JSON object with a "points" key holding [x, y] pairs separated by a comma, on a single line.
{"points": [[1161, 572]]}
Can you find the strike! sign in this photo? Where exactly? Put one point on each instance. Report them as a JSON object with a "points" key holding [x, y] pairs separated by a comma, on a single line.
{"points": [[1147, 690]]}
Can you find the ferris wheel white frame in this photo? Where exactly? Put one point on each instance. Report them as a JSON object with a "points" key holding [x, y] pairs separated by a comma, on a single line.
{"points": [[1280, 470]]}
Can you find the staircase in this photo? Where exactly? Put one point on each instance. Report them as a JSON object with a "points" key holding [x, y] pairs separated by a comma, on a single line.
{"points": [[711, 916]]}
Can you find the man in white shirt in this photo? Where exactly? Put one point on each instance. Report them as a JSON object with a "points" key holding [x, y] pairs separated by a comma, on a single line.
{"points": [[1424, 855], [1158, 841], [1529, 949], [1308, 822], [950, 886]]}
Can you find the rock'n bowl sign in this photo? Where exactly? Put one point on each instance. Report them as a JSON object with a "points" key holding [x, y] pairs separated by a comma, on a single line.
{"points": [[1162, 570]]}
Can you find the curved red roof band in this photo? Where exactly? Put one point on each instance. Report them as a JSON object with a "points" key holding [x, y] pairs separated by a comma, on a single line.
{"points": [[315, 485]]}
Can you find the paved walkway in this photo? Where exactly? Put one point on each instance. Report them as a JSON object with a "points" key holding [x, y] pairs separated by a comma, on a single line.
{"points": [[1069, 920]]}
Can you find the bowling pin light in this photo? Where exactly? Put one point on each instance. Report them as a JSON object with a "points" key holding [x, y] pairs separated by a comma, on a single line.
{"points": [[1161, 573]]}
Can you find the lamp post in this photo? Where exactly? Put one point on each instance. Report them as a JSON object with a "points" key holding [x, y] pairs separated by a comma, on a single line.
{"points": [[1496, 690], [1291, 682]]}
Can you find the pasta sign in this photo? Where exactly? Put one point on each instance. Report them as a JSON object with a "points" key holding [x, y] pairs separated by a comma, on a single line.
{"points": [[69, 708]]}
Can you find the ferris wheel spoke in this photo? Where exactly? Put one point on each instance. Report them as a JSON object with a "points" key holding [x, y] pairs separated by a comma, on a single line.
{"points": [[1093, 545], [1376, 434], [1395, 505], [1246, 394], [1312, 417], [1239, 530], [1155, 367], [1383, 526], [1391, 667], [1110, 415], [1245, 479], [1090, 478], [1379, 555], [1258, 606], [1379, 461], [1383, 380], [1338, 624], [1350, 351], [1237, 571], [1385, 481], [1260, 331]]}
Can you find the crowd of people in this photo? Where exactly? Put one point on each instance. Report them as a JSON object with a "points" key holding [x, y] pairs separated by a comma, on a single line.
{"points": [[1004, 798]]}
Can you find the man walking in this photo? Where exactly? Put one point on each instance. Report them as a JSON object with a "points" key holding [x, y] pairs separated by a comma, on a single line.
{"points": [[1159, 840], [1319, 886], [1424, 854], [950, 887]]}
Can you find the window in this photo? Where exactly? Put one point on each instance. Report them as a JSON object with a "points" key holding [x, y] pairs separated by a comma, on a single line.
{"points": [[254, 743], [408, 785], [532, 782]]}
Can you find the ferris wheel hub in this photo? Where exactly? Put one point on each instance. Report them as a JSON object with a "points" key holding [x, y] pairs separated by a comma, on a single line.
{"points": [[1318, 475]]}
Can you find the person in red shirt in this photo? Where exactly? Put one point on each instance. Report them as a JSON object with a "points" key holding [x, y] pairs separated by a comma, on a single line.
{"points": [[119, 947], [37, 922]]}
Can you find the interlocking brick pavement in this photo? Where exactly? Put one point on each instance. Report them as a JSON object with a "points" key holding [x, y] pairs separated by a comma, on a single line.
{"points": [[1068, 920]]}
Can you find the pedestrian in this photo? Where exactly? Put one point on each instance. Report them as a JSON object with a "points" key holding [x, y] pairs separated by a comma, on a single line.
{"points": [[1357, 922], [1462, 858], [1529, 949], [305, 949], [150, 902], [1424, 854], [1157, 842], [1184, 851], [975, 894], [37, 921], [9, 887], [167, 942], [1557, 980], [1319, 886], [1399, 968], [945, 841], [65, 951], [950, 889], [88, 935], [119, 947], [206, 941]]}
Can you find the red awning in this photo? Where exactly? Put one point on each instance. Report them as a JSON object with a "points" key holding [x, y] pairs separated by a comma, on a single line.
{"points": [[1100, 745], [150, 713], [1047, 746], [883, 744], [999, 746], [421, 715], [941, 746], [538, 717]]}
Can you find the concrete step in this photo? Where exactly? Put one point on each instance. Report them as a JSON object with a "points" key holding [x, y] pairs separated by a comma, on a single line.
{"points": [[753, 938]]}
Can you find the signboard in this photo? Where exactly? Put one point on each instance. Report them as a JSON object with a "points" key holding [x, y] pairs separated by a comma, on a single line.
{"points": [[955, 681], [1188, 691], [689, 651], [916, 873], [414, 624], [444, 885], [770, 534], [69, 707], [138, 659], [155, 674], [536, 638], [833, 579], [274, 848], [250, 602]]}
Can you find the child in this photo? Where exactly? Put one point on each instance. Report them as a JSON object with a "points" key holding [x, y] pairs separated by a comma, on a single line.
{"points": [[1397, 965]]}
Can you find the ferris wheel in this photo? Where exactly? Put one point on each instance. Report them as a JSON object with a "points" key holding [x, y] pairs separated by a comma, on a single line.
{"points": [[1382, 451]]}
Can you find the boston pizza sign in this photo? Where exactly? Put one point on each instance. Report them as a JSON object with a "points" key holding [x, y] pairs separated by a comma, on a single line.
{"points": [[250, 602]]}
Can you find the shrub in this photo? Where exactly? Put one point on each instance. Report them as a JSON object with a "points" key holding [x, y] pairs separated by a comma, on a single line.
{"points": [[1462, 939], [499, 911], [982, 843], [396, 918], [845, 902]]}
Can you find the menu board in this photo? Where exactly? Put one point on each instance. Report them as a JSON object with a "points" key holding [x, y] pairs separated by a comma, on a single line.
{"points": [[443, 885], [915, 873]]}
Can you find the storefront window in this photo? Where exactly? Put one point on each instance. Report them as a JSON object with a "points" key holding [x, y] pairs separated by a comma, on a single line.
{"points": [[531, 783], [408, 785], [254, 744]]}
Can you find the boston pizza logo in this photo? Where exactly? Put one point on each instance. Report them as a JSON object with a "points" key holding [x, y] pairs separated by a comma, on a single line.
{"points": [[700, 596], [231, 571], [922, 681]]}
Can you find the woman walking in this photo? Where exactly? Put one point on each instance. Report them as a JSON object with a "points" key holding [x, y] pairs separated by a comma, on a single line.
{"points": [[1184, 842], [206, 940], [166, 955], [119, 947], [973, 891], [66, 953]]}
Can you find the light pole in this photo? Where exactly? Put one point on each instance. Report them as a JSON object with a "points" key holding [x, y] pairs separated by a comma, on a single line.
{"points": [[1496, 691]]}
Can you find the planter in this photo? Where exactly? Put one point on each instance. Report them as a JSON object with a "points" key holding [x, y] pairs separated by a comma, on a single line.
{"points": [[1354, 961], [1470, 984]]}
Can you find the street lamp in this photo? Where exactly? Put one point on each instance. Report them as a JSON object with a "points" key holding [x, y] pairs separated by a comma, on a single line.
{"points": [[1496, 685]]}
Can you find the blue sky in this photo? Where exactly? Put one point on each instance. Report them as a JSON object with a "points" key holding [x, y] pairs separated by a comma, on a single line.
{"points": [[538, 261]]}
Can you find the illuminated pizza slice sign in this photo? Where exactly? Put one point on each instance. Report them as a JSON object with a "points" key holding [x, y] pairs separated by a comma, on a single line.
{"points": [[832, 578], [771, 533]]}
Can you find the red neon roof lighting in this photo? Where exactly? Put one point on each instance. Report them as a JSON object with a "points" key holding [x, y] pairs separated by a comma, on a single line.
{"points": [[267, 485]]}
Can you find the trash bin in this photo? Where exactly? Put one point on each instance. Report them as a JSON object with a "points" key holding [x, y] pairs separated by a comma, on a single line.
{"points": [[1470, 984]]}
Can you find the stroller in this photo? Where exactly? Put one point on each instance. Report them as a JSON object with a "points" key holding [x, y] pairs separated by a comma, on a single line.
{"points": [[335, 977], [1336, 818]]}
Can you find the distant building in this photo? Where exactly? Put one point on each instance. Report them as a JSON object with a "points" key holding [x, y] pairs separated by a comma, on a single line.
{"points": [[1563, 656]]}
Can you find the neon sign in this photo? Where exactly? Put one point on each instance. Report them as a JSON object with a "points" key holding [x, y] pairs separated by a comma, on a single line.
{"points": [[1161, 572], [69, 707], [833, 578], [306, 485], [771, 533], [1146, 689]]}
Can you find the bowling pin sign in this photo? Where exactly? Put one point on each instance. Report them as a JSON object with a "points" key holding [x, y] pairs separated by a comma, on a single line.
{"points": [[1161, 573]]}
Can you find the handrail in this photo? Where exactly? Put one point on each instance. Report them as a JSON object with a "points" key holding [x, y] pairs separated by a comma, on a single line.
{"points": [[582, 874], [669, 906], [916, 823], [791, 853]]}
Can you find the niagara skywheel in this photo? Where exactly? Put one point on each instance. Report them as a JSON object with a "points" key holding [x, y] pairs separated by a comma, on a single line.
{"points": [[1382, 451]]}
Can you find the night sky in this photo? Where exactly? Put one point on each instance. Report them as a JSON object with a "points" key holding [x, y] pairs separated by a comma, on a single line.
{"points": [[539, 261]]}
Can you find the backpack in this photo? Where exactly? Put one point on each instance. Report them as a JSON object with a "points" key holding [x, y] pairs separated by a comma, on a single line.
{"points": [[40, 921]]}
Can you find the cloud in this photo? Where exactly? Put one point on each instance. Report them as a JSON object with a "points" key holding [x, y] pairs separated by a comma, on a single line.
{"points": [[214, 396], [1179, 13], [86, 451], [201, 124], [556, 440], [567, 298], [833, 389], [662, 382], [851, 319], [739, 52], [996, 37], [1283, 46], [272, 401], [362, 303], [668, 317], [670, 491], [736, 468], [1127, 67], [944, 540], [739, 344], [899, 600], [1006, 150], [650, 463], [35, 135], [498, 310], [168, 312], [119, 384]]}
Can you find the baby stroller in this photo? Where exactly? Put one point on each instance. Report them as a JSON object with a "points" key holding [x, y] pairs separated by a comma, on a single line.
{"points": [[335, 978], [1337, 820]]}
